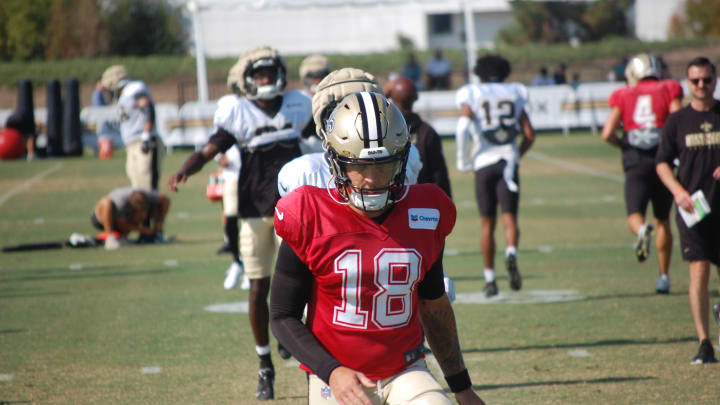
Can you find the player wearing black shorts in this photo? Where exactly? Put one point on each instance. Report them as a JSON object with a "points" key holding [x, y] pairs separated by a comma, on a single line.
{"points": [[642, 108], [692, 135], [496, 111], [491, 190]]}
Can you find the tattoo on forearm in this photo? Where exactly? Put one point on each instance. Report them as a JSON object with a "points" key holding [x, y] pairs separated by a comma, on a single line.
{"points": [[439, 323]]}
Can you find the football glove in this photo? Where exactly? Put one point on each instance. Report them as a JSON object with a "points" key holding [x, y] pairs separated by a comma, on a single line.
{"points": [[148, 146], [449, 288]]}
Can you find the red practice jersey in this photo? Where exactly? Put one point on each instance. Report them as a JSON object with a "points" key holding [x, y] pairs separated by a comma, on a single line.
{"points": [[364, 305], [644, 108]]}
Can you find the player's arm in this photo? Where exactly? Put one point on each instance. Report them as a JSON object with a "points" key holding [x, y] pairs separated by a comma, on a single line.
{"points": [[675, 104], [528, 133], [666, 153], [144, 103], [438, 321], [681, 196], [612, 123], [159, 212], [462, 136], [290, 291], [125, 227], [221, 141]]}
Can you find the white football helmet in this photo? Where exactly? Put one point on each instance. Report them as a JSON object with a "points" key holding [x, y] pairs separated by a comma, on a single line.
{"points": [[366, 129], [642, 66], [313, 67], [242, 73], [114, 79], [235, 77], [334, 87]]}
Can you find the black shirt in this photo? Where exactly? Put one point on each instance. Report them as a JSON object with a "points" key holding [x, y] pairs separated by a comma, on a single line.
{"points": [[694, 138], [257, 185], [429, 146]]}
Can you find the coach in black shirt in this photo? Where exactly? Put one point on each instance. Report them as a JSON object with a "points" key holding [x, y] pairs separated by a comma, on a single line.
{"points": [[403, 93], [692, 135]]}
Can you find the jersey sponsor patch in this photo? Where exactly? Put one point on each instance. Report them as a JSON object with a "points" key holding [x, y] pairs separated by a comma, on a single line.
{"points": [[423, 218]]}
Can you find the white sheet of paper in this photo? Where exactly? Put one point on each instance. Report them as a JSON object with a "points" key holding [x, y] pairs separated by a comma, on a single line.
{"points": [[702, 208]]}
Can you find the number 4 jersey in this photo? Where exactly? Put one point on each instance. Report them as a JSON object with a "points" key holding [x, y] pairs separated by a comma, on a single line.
{"points": [[364, 305], [644, 108]]}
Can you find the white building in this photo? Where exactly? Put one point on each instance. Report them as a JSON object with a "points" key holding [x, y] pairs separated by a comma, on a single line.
{"points": [[652, 18], [351, 26]]}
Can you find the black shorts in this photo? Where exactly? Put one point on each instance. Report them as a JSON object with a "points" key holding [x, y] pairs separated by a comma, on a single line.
{"points": [[99, 225], [491, 188], [96, 222], [642, 184], [702, 241]]}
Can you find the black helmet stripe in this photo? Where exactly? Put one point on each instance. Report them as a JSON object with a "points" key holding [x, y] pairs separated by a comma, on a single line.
{"points": [[370, 114]]}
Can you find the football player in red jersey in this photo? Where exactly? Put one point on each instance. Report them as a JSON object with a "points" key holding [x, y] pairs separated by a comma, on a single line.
{"points": [[366, 257], [642, 107]]}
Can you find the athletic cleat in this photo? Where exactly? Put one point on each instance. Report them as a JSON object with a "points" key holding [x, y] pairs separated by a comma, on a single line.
{"points": [[705, 354], [284, 353], [490, 289], [233, 274], [223, 249], [663, 285], [513, 272], [266, 379], [642, 245]]}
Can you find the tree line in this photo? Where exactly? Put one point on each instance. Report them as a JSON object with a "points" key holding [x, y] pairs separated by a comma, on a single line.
{"points": [[551, 22], [69, 29]]}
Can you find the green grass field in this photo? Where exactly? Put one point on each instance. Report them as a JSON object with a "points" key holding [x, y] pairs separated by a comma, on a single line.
{"points": [[86, 326]]}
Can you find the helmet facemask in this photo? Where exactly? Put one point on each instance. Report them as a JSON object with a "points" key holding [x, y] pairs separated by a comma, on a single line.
{"points": [[268, 91], [365, 129]]}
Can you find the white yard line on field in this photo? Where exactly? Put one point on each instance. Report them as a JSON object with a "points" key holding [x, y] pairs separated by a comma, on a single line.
{"points": [[576, 167], [27, 183]]}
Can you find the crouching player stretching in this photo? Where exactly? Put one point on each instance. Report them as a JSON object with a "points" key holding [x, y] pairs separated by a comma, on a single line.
{"points": [[366, 257]]}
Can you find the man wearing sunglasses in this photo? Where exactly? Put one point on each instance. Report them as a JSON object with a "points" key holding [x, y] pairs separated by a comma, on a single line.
{"points": [[642, 107], [692, 135]]}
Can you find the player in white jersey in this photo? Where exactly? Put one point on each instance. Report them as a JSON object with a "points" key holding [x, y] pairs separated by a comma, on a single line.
{"points": [[266, 125], [137, 127], [492, 117]]}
